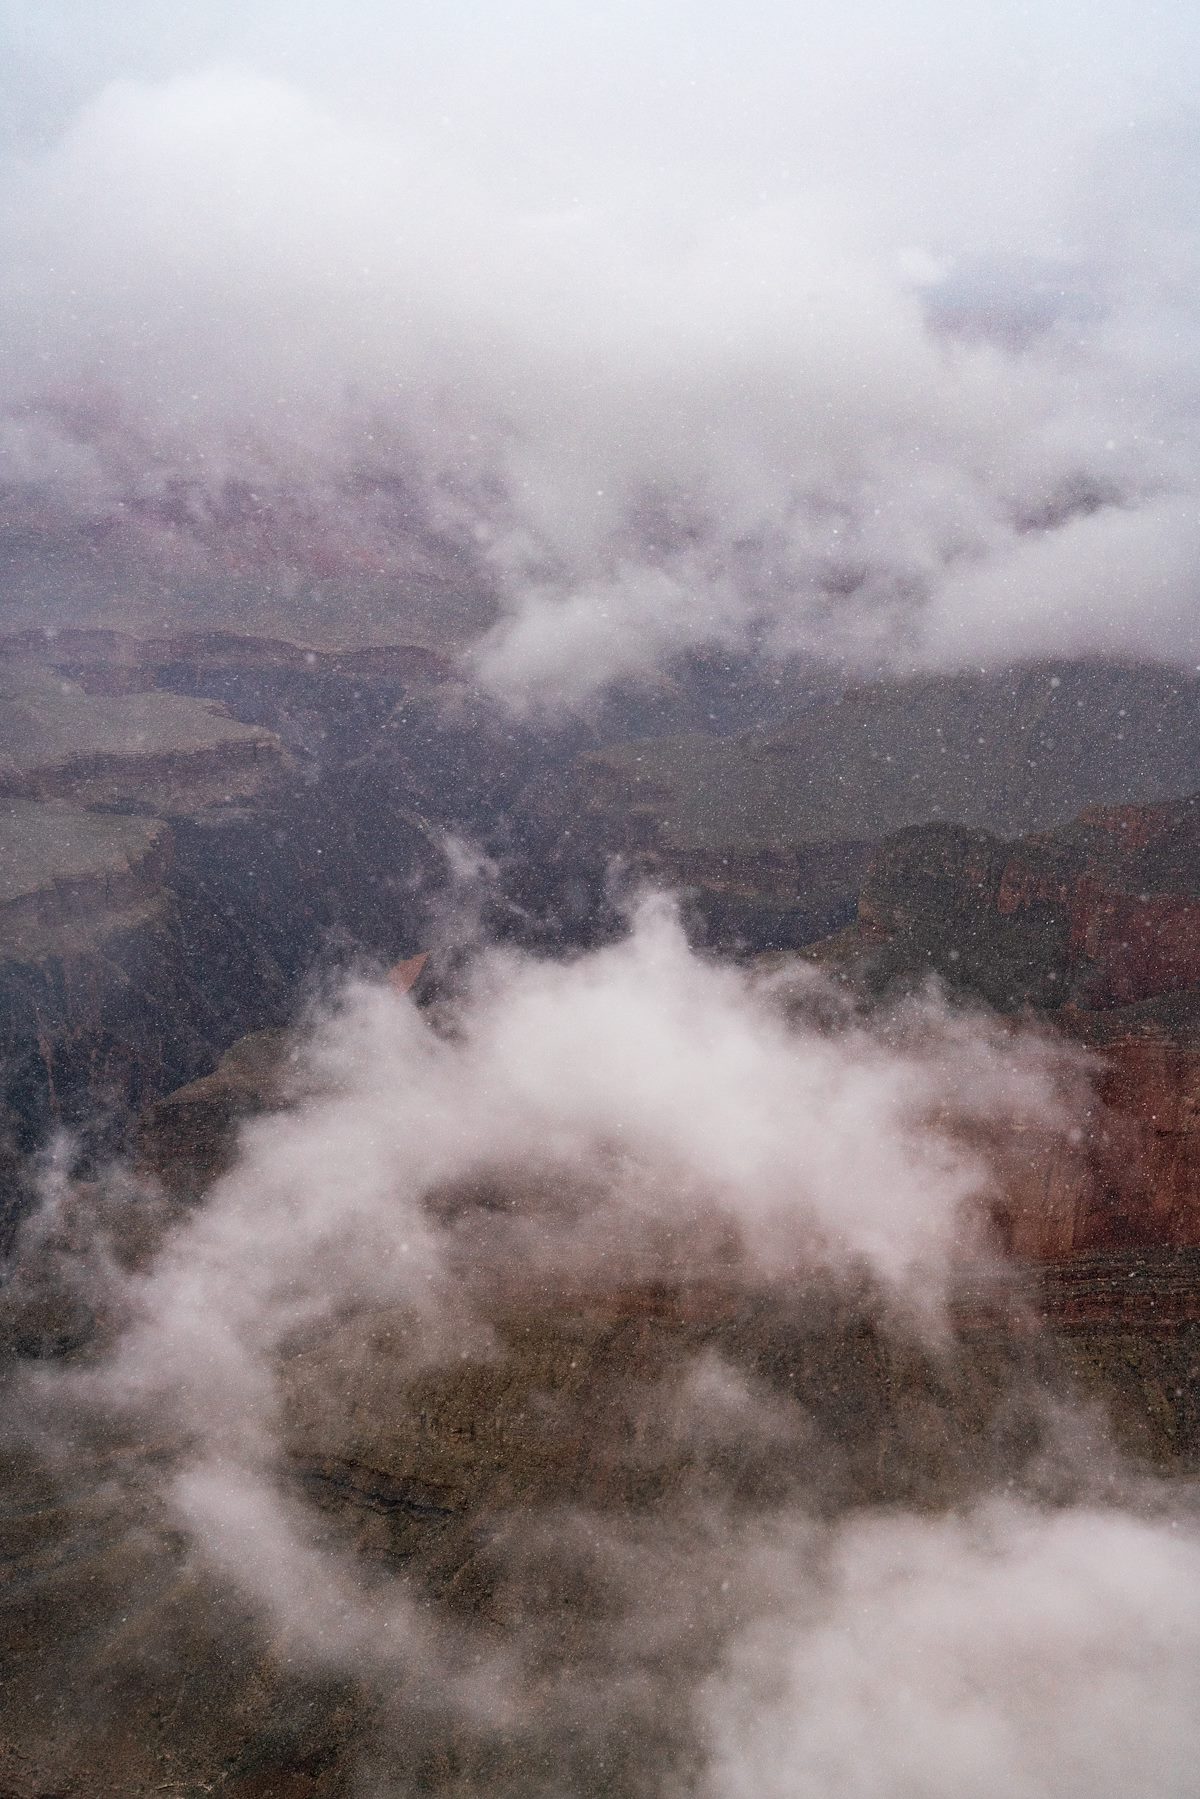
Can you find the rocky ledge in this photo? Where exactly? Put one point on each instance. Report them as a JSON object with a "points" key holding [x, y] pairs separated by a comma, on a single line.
{"points": [[1090, 932], [170, 870], [160, 753]]}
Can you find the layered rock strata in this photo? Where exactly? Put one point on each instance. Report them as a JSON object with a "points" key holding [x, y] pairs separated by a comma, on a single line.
{"points": [[1091, 932], [172, 872]]}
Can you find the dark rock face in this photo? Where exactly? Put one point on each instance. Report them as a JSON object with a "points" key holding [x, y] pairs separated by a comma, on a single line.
{"points": [[769, 900], [1095, 931], [1100, 914], [173, 872]]}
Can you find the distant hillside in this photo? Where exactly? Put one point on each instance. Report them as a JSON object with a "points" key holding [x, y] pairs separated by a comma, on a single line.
{"points": [[1102, 915], [1010, 751]]}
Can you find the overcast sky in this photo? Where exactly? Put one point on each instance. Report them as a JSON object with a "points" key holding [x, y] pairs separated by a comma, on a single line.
{"points": [[859, 331]]}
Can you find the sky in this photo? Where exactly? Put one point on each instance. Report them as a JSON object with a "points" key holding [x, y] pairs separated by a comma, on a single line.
{"points": [[859, 333]]}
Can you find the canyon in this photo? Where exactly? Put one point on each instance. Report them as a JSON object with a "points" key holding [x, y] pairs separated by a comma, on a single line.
{"points": [[1090, 931], [205, 835]]}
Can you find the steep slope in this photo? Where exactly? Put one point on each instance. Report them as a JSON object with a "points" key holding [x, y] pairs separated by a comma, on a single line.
{"points": [[1010, 750], [771, 830], [1095, 930], [172, 872]]}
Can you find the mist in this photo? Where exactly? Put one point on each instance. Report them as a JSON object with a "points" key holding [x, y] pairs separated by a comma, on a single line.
{"points": [[574, 345], [716, 1576]]}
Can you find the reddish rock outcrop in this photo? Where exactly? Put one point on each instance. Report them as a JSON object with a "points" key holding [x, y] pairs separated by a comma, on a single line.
{"points": [[1093, 930]]}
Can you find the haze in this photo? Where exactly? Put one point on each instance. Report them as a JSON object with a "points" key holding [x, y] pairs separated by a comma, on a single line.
{"points": [[574, 341]]}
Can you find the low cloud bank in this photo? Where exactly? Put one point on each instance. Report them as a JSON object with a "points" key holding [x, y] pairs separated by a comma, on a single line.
{"points": [[636, 1113], [842, 340]]}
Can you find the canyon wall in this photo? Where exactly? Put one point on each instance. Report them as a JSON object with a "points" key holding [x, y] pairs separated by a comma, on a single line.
{"points": [[1091, 932], [171, 872]]}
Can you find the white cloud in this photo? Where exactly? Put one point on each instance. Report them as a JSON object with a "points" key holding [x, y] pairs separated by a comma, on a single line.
{"points": [[1006, 1654], [652, 1116], [572, 1131], [799, 319]]}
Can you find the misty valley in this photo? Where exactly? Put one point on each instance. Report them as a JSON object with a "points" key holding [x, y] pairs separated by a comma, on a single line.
{"points": [[603, 1258], [599, 900]]}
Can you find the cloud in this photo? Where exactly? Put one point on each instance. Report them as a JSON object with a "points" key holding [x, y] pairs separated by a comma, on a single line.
{"points": [[1008, 1652], [635, 1114], [811, 333], [760, 1547]]}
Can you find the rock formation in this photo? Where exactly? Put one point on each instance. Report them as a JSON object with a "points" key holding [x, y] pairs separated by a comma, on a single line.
{"points": [[1090, 932], [1008, 750], [157, 939], [171, 871]]}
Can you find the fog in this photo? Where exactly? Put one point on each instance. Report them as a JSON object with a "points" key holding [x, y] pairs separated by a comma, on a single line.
{"points": [[853, 335], [1004, 1653], [445, 1189]]}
